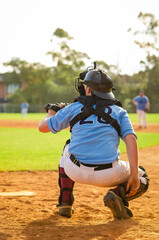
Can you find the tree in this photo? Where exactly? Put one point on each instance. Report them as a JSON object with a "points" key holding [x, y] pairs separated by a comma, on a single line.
{"points": [[150, 33], [32, 79], [68, 62], [150, 44]]}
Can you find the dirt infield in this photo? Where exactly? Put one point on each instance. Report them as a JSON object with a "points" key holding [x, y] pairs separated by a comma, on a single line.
{"points": [[154, 127], [35, 216]]}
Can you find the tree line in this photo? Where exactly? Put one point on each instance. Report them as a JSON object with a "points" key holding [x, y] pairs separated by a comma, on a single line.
{"points": [[54, 84]]}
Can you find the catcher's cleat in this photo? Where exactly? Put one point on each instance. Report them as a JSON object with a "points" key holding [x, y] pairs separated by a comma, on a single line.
{"points": [[116, 205], [66, 210]]}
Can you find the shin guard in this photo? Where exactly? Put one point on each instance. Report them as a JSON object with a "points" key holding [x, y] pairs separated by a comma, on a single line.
{"points": [[66, 188]]}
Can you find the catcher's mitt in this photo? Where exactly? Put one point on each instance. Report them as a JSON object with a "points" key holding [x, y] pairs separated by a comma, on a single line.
{"points": [[55, 107]]}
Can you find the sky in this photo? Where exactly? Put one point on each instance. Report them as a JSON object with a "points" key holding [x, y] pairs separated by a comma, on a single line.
{"points": [[99, 28]]}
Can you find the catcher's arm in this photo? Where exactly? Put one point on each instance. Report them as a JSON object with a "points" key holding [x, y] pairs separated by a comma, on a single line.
{"points": [[51, 110], [43, 127], [132, 153]]}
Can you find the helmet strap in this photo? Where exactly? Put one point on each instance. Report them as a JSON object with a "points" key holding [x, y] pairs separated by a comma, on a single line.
{"points": [[81, 90]]}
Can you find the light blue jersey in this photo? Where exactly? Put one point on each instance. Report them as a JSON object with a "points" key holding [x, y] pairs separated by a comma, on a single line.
{"points": [[92, 140], [24, 105], [141, 102]]}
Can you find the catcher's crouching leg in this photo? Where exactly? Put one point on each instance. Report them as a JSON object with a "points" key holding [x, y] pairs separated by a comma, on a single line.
{"points": [[117, 205], [66, 197], [117, 200]]}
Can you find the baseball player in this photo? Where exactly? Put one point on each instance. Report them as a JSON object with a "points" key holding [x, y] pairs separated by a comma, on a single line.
{"points": [[142, 104], [97, 122], [24, 109]]}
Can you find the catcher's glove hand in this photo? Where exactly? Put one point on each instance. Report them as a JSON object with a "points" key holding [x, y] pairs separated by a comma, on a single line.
{"points": [[54, 107]]}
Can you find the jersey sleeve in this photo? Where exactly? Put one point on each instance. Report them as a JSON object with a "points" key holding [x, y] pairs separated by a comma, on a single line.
{"points": [[60, 120], [147, 99], [136, 99], [126, 125]]}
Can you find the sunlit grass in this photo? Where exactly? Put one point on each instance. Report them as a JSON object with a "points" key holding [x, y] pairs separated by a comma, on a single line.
{"points": [[28, 149], [143, 140], [17, 116], [151, 117]]}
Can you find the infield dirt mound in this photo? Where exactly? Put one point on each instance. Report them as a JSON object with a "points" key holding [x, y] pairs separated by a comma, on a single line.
{"points": [[36, 217]]}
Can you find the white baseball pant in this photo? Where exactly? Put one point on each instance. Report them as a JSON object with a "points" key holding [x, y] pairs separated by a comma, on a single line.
{"points": [[110, 177], [142, 117]]}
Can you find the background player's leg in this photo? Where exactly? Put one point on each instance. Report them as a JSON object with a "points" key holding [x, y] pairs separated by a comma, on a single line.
{"points": [[139, 112]]}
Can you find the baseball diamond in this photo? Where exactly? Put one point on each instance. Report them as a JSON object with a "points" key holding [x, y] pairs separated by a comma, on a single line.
{"points": [[36, 217]]}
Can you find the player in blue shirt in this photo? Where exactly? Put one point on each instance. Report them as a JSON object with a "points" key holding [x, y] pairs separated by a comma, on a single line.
{"points": [[91, 156], [142, 104], [24, 109]]}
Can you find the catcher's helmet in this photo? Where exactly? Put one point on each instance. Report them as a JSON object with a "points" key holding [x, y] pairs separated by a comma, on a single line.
{"points": [[100, 83]]}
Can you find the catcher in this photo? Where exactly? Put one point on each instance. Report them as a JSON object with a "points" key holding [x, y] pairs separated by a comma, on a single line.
{"points": [[97, 121]]}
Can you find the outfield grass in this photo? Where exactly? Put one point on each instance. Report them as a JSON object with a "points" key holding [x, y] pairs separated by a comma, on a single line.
{"points": [[143, 140], [17, 116], [28, 149], [151, 117]]}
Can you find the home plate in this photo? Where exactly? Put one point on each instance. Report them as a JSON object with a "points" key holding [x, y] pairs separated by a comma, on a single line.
{"points": [[20, 193]]}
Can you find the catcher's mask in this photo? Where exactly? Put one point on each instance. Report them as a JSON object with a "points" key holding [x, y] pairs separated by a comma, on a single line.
{"points": [[99, 82]]}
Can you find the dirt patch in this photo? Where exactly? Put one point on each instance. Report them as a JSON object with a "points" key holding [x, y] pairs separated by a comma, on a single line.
{"points": [[24, 123], [152, 127], [36, 217], [19, 123]]}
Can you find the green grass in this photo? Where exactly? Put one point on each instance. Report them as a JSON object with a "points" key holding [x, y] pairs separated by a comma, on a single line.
{"points": [[28, 149], [143, 140], [151, 117], [17, 116]]}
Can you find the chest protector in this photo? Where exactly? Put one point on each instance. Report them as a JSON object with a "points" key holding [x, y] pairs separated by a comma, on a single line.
{"points": [[99, 110]]}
